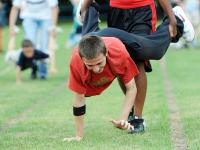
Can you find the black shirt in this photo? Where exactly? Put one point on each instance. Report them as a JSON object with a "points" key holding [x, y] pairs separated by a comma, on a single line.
{"points": [[24, 61]]}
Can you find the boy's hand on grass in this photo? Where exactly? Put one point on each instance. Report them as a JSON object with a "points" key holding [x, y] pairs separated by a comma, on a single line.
{"points": [[122, 124], [71, 139]]}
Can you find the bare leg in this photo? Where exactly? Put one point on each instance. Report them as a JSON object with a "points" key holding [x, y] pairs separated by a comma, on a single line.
{"points": [[141, 83]]}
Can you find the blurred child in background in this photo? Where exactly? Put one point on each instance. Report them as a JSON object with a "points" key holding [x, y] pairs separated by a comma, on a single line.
{"points": [[39, 17], [28, 59]]}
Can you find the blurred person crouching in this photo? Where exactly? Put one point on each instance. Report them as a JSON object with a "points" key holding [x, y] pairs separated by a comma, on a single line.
{"points": [[28, 58], [39, 17]]}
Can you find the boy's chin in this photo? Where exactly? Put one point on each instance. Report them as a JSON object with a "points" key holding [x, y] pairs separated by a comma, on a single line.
{"points": [[99, 71]]}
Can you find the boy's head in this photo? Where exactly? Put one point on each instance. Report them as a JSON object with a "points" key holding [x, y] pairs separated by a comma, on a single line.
{"points": [[93, 52], [27, 48]]}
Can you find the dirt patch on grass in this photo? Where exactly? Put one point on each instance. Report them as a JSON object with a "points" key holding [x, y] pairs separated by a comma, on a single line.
{"points": [[178, 137], [23, 115]]}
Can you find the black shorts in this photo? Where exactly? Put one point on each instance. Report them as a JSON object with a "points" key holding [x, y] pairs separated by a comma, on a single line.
{"points": [[140, 20]]}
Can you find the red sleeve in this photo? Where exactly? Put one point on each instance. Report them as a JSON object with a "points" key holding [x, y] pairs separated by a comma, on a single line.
{"points": [[129, 70], [75, 83]]}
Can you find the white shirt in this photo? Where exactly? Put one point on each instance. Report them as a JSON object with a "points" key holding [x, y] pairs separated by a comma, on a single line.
{"points": [[36, 9]]}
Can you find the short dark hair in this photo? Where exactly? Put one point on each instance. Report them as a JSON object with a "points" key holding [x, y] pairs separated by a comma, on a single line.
{"points": [[26, 43], [90, 46]]}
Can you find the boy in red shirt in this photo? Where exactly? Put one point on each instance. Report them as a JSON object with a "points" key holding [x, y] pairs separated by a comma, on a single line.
{"points": [[98, 60], [138, 17], [94, 65]]}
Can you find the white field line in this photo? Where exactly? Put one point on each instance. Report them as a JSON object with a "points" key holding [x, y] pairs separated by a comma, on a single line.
{"points": [[178, 137]]}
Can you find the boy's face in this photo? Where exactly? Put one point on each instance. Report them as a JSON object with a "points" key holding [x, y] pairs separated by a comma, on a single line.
{"points": [[28, 51], [96, 64]]}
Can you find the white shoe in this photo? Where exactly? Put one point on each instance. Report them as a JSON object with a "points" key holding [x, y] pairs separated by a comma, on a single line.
{"points": [[188, 29]]}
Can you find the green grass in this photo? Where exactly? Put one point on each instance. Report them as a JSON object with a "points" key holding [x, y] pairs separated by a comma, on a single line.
{"points": [[47, 108], [184, 73]]}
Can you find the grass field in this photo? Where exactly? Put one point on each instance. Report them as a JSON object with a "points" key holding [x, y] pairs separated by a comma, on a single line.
{"points": [[38, 114]]}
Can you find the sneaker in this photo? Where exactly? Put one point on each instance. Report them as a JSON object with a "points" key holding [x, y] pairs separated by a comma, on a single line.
{"points": [[139, 125], [188, 29]]}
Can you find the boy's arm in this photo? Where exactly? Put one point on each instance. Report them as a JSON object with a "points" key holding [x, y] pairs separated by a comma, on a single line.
{"points": [[79, 120], [79, 111], [130, 95], [42, 55], [18, 74], [166, 6]]}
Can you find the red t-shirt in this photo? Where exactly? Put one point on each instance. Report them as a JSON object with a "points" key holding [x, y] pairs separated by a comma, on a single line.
{"points": [[126, 4], [119, 63]]}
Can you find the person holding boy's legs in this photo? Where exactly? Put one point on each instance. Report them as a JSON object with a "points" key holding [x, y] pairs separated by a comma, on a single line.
{"points": [[138, 17], [152, 46], [94, 53]]}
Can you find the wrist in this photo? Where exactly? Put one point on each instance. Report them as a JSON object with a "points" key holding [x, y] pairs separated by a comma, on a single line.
{"points": [[79, 111], [172, 19], [124, 117]]}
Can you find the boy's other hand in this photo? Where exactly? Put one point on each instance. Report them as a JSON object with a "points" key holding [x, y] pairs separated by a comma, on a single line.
{"points": [[122, 124], [71, 139]]}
